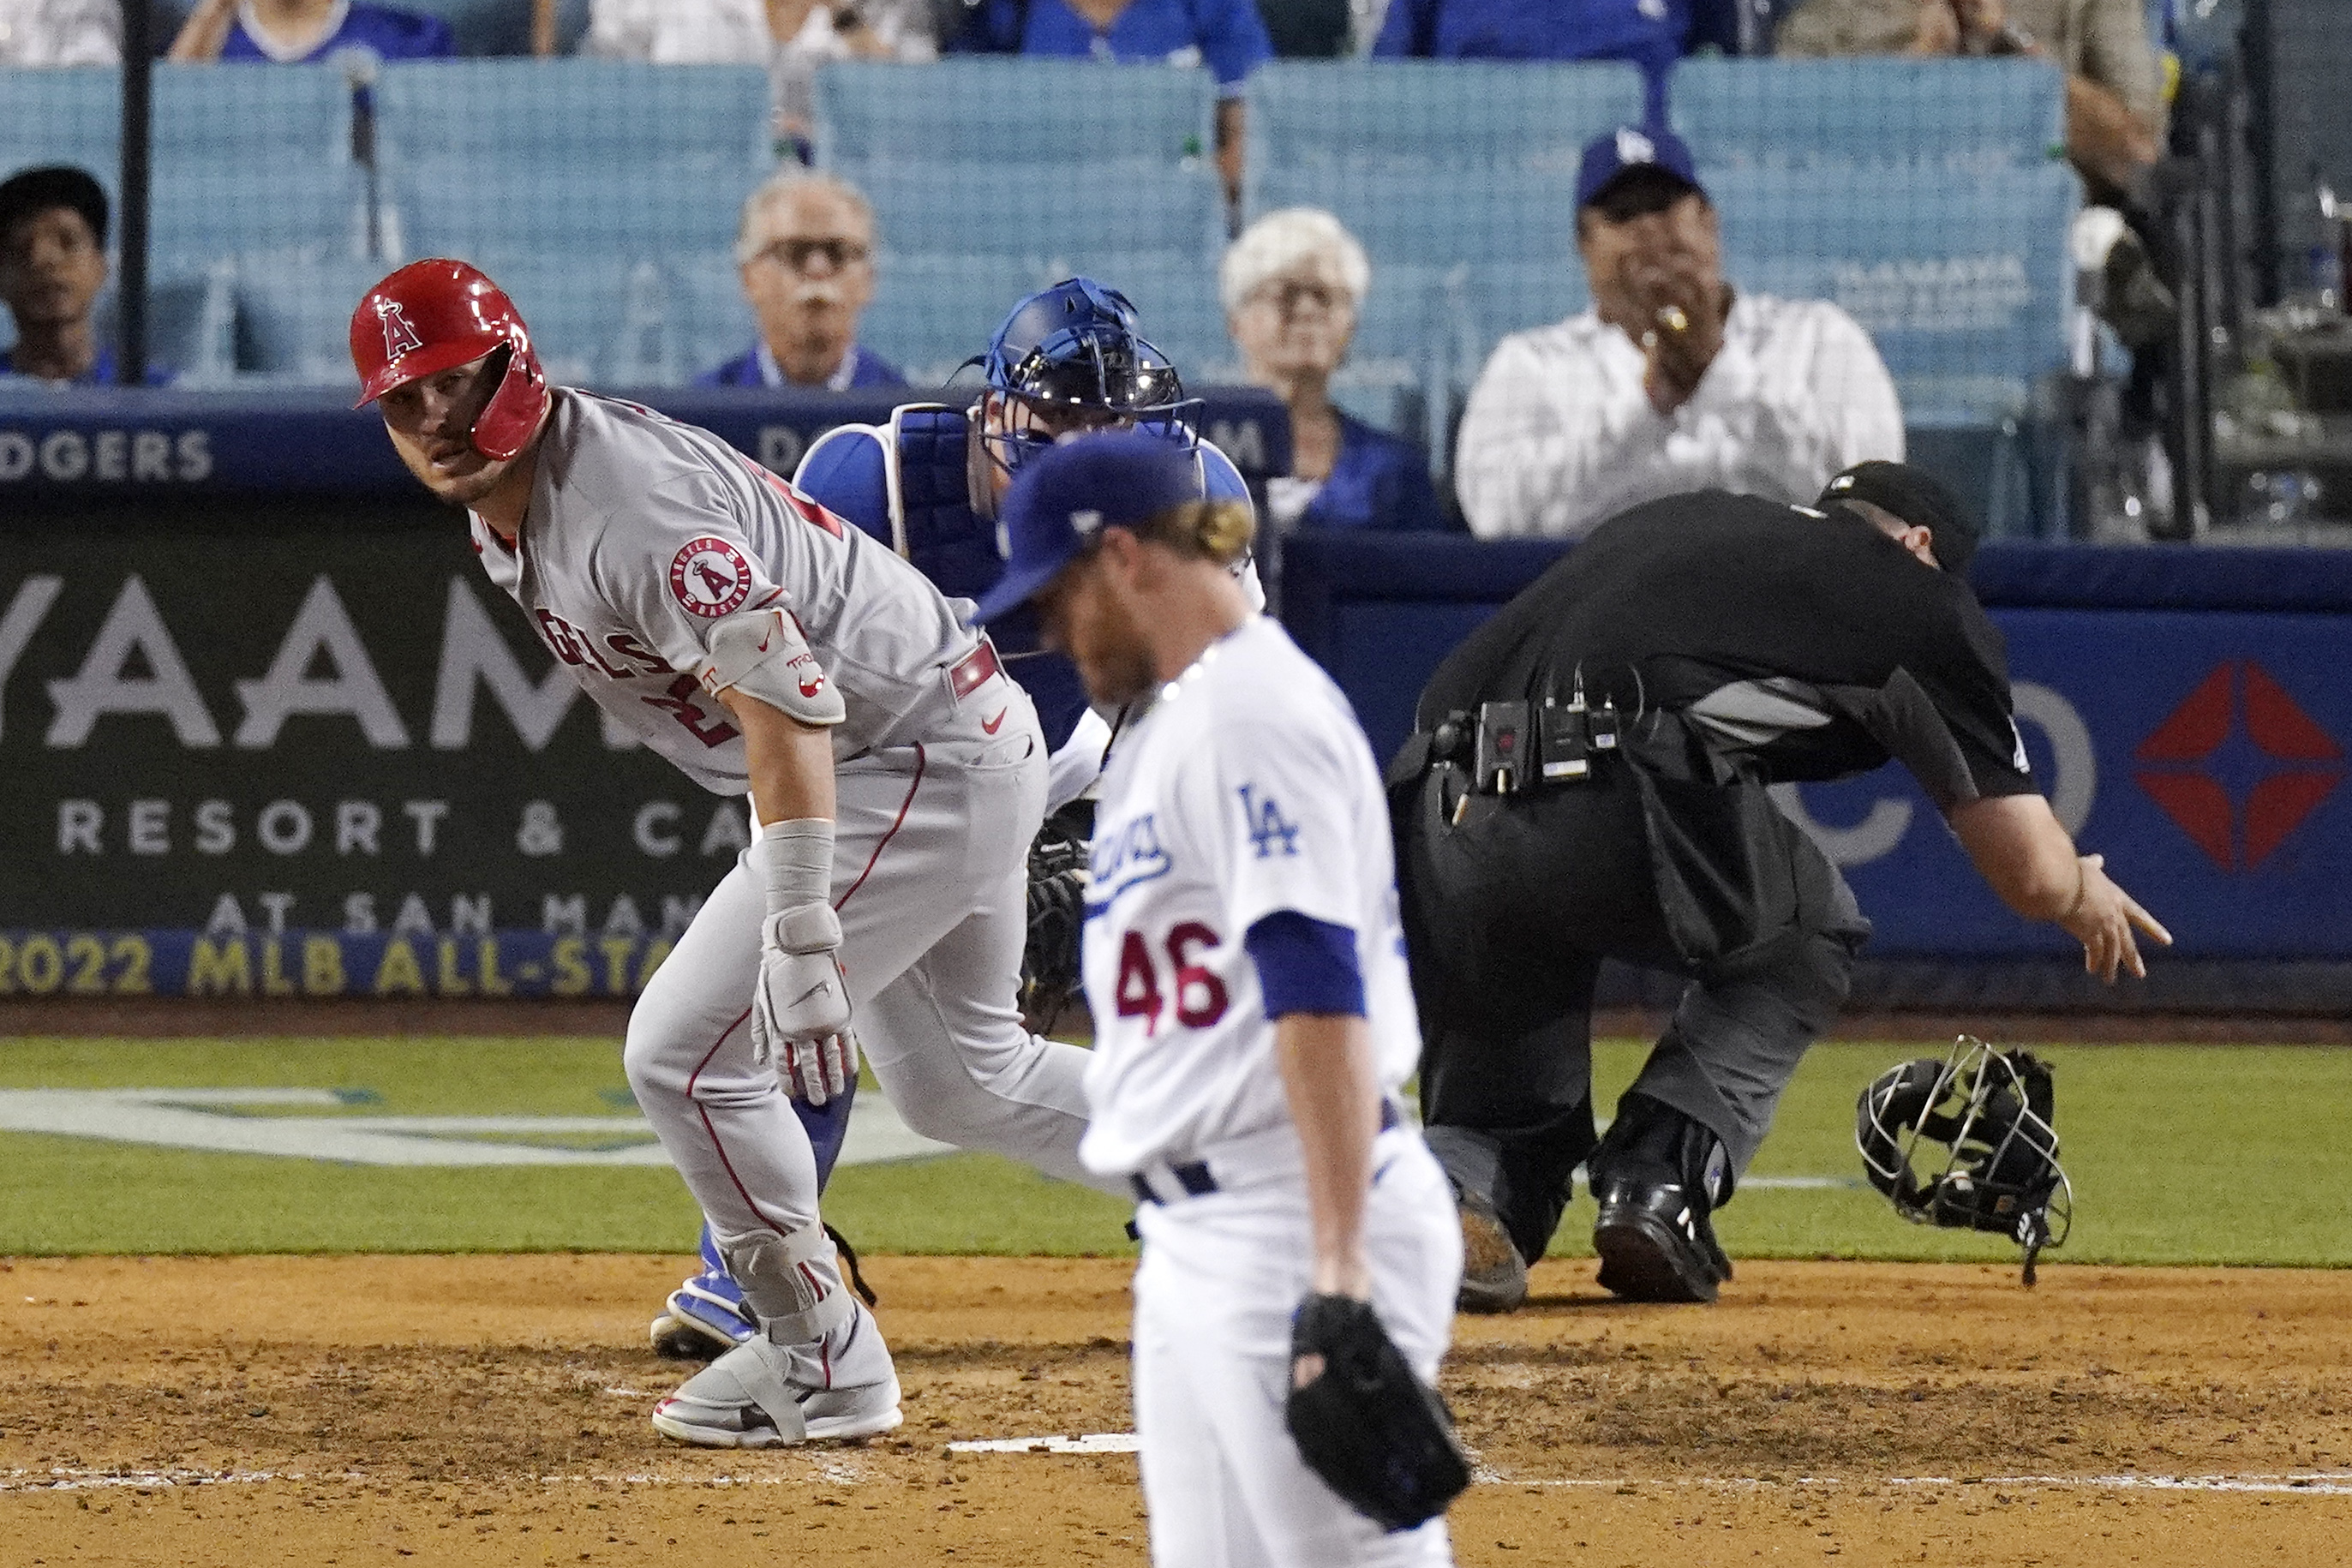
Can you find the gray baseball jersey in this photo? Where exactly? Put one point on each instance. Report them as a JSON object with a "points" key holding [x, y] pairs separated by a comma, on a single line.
{"points": [[643, 535]]}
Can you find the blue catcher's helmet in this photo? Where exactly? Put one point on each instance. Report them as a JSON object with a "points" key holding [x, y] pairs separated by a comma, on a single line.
{"points": [[1074, 356]]}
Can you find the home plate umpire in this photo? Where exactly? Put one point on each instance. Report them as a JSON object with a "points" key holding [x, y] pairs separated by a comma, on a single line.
{"points": [[1588, 782]]}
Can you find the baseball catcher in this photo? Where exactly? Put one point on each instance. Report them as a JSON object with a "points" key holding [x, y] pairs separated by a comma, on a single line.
{"points": [[1979, 1120]]}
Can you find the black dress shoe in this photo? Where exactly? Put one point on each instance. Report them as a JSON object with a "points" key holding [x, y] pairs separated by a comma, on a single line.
{"points": [[1493, 1274], [1655, 1243]]}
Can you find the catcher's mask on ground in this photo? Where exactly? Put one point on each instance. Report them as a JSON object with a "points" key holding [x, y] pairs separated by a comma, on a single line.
{"points": [[1997, 1169]]}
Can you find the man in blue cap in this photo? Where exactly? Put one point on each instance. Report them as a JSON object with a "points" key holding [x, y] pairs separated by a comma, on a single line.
{"points": [[1254, 1024], [1673, 382]]}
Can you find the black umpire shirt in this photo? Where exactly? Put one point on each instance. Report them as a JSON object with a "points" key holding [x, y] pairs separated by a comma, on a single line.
{"points": [[1798, 644]]}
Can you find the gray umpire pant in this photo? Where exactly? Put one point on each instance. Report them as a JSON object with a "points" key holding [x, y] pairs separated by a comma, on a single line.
{"points": [[1510, 905]]}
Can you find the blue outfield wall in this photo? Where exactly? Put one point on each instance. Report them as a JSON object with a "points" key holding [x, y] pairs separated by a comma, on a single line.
{"points": [[2187, 711]]}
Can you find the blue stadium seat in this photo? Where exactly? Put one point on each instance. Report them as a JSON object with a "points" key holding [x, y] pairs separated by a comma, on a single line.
{"points": [[251, 157], [1512, 296], [1924, 115], [1963, 283], [932, 310], [540, 114], [1437, 216], [294, 312], [1471, 115], [602, 321], [1013, 209], [72, 116], [1175, 297], [997, 110], [635, 210], [709, 320]]}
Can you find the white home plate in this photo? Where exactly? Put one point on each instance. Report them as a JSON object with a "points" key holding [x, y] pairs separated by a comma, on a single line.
{"points": [[1093, 1443]]}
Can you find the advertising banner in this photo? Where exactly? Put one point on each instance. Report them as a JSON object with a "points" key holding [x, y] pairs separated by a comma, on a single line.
{"points": [[2184, 711]]}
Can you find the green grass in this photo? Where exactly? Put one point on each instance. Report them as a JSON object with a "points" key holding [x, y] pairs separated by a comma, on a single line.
{"points": [[2180, 1154]]}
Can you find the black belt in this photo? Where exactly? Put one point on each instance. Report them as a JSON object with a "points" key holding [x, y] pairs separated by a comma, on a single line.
{"points": [[1198, 1182]]}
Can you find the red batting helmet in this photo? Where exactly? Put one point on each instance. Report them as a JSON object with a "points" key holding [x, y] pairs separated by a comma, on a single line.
{"points": [[435, 315]]}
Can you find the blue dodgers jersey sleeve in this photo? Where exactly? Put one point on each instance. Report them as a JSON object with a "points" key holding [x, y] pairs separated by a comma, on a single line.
{"points": [[1305, 965]]}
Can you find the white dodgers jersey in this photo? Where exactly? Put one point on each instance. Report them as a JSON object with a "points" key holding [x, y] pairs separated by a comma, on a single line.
{"points": [[1247, 789], [643, 534]]}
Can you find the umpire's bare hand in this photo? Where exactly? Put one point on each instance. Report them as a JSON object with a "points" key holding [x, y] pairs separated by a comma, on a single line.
{"points": [[2026, 857], [2103, 918]]}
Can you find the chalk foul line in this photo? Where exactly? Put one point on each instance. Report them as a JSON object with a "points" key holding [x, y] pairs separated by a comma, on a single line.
{"points": [[2326, 1483], [208, 1120]]}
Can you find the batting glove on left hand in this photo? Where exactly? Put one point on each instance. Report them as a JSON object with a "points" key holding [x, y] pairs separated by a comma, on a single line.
{"points": [[800, 1013]]}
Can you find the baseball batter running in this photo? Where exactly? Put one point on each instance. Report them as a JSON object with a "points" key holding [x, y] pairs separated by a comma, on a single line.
{"points": [[928, 484], [1254, 1022], [896, 778]]}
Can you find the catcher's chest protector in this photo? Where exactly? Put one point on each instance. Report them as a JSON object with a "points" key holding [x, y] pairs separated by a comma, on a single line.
{"points": [[934, 525]]}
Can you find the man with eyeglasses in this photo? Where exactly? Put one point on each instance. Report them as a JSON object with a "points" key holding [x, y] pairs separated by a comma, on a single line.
{"points": [[806, 251]]}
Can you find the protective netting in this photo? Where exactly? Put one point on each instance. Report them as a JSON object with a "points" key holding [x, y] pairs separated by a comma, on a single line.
{"points": [[1922, 197]]}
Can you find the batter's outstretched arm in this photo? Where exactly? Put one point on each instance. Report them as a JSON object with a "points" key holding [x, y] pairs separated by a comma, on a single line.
{"points": [[790, 762], [1335, 1101], [2027, 857]]}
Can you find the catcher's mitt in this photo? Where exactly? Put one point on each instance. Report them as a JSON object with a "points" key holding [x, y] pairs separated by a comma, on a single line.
{"points": [[1377, 1435], [1050, 974]]}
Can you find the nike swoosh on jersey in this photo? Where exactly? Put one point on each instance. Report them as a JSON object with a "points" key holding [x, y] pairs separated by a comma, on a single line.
{"points": [[988, 726]]}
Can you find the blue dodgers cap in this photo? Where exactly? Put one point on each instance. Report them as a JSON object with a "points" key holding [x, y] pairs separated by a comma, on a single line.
{"points": [[1064, 496], [1633, 147]]}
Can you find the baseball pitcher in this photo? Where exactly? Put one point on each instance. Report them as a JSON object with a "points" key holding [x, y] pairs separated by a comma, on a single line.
{"points": [[1254, 1022]]}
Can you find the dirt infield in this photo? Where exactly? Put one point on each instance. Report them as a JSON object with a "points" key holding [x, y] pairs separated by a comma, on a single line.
{"points": [[482, 1410]]}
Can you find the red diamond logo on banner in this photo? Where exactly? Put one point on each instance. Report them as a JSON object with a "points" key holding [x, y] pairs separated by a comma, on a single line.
{"points": [[2239, 708]]}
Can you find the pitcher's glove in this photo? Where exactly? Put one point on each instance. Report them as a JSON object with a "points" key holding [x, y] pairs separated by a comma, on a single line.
{"points": [[1377, 1435], [1050, 975]]}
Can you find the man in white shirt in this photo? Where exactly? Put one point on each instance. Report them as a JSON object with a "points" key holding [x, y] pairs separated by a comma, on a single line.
{"points": [[1672, 382]]}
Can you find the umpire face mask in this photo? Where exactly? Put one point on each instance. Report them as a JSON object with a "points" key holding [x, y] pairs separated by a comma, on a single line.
{"points": [[1908, 498]]}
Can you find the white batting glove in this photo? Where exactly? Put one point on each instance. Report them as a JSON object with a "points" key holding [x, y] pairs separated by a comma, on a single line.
{"points": [[800, 1013]]}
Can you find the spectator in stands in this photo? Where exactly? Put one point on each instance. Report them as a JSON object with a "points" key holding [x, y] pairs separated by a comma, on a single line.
{"points": [[1651, 34], [2114, 93], [60, 32], [299, 32], [1672, 382], [1292, 285], [52, 270], [791, 38], [1227, 36], [806, 250]]}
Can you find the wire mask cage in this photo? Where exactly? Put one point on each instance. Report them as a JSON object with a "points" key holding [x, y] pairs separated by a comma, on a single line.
{"points": [[1980, 1120]]}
